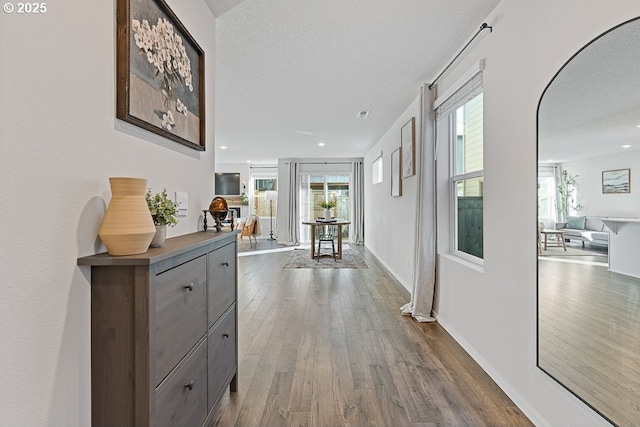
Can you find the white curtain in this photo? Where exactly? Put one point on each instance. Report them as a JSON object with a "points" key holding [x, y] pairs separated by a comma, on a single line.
{"points": [[424, 276], [293, 232], [357, 228]]}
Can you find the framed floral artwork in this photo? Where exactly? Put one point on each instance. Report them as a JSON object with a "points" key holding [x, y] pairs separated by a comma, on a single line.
{"points": [[160, 72], [407, 138]]}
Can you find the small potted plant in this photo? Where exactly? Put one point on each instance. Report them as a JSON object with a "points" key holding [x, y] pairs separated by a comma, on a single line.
{"points": [[163, 212], [244, 199], [327, 205]]}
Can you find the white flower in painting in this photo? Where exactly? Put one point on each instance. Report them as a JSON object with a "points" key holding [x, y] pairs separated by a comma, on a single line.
{"points": [[139, 38], [146, 28], [181, 108], [165, 50], [167, 120]]}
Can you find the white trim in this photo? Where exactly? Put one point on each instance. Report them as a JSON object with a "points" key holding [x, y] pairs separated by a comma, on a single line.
{"points": [[468, 175], [477, 68], [265, 251], [511, 391], [465, 259], [395, 275]]}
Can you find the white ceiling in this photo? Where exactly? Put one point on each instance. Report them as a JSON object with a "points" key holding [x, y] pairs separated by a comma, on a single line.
{"points": [[592, 108], [291, 74]]}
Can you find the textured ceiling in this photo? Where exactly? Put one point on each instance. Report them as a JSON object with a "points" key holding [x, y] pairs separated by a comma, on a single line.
{"points": [[293, 74], [219, 7], [592, 107]]}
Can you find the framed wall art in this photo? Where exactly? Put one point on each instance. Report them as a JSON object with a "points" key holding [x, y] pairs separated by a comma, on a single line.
{"points": [[407, 138], [396, 170], [616, 181], [160, 72]]}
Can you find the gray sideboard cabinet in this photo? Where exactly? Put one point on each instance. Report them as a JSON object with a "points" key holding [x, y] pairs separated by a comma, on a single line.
{"points": [[164, 343]]}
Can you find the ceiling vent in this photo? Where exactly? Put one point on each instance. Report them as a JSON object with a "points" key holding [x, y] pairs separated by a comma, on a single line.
{"points": [[363, 114]]}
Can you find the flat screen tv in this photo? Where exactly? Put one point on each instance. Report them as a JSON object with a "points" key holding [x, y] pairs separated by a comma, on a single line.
{"points": [[227, 184]]}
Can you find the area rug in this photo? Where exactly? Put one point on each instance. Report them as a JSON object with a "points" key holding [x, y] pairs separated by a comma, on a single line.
{"points": [[302, 259]]}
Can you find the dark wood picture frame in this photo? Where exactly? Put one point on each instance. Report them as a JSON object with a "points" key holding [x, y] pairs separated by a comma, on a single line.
{"points": [[616, 181], [396, 173], [164, 93], [408, 144]]}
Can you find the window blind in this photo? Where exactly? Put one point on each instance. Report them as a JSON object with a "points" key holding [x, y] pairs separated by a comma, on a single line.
{"points": [[459, 93]]}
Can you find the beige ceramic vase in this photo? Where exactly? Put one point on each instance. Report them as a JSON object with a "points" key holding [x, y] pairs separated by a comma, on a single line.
{"points": [[127, 227]]}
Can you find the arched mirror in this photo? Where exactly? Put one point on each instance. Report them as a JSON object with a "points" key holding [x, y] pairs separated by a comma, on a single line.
{"points": [[589, 225]]}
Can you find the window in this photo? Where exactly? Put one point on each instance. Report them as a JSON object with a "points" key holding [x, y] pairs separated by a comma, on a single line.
{"points": [[460, 126], [467, 179], [376, 170], [263, 189], [547, 196]]}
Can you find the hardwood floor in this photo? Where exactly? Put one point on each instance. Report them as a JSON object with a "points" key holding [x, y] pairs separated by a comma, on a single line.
{"points": [[589, 335], [330, 348]]}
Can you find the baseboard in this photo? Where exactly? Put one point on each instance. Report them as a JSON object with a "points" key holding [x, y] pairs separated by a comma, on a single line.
{"points": [[407, 286], [512, 393]]}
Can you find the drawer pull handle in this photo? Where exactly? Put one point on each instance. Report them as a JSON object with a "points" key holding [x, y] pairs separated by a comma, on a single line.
{"points": [[189, 386], [226, 335], [189, 286], [226, 263]]}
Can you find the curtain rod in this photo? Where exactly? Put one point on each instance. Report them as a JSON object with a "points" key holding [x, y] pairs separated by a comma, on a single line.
{"points": [[484, 26], [324, 163], [327, 163]]}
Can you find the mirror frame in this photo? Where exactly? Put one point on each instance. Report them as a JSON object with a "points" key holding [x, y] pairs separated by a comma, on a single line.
{"points": [[595, 39]]}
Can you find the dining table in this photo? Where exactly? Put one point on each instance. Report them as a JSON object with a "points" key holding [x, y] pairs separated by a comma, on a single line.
{"points": [[314, 224]]}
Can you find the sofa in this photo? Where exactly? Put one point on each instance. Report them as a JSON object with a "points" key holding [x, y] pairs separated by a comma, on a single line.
{"points": [[586, 229]]}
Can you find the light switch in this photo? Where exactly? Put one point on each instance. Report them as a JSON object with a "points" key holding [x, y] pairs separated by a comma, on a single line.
{"points": [[182, 200]]}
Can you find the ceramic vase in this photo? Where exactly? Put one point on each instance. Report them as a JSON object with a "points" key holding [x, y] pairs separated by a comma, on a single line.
{"points": [[327, 214], [127, 227], [159, 237]]}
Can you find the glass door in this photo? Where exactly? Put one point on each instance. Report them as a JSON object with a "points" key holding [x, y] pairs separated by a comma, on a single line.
{"points": [[316, 188]]}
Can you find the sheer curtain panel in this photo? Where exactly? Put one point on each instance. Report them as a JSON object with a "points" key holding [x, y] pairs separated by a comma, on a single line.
{"points": [[358, 203], [424, 276]]}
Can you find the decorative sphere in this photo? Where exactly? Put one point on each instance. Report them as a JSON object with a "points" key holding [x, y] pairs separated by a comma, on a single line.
{"points": [[219, 208]]}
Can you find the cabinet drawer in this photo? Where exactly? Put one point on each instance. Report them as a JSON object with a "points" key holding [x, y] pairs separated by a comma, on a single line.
{"points": [[222, 354], [182, 399], [221, 280], [181, 313]]}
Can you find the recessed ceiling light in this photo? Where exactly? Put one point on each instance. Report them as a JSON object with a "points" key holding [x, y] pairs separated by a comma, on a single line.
{"points": [[223, 147], [321, 144], [626, 146], [638, 126], [248, 161], [363, 114]]}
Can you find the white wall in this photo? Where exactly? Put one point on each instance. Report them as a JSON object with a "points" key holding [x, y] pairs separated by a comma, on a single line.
{"points": [[589, 185], [492, 312], [390, 221], [60, 142], [245, 178]]}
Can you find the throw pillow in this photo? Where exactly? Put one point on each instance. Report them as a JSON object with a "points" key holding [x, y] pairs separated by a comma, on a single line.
{"points": [[576, 222]]}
